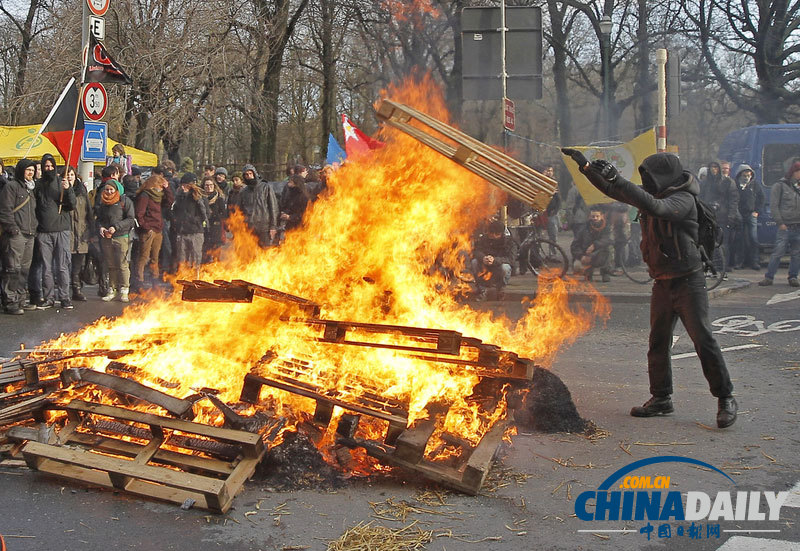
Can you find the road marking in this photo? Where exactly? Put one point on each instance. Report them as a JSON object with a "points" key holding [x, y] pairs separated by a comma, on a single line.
{"points": [[785, 297], [743, 543], [794, 497], [736, 325], [728, 349]]}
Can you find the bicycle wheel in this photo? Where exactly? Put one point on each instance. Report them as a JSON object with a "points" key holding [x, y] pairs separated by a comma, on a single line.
{"points": [[633, 266], [546, 259], [715, 272]]}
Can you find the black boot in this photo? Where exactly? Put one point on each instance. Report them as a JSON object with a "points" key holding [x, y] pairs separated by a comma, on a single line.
{"points": [[77, 295], [657, 405], [726, 412], [102, 285]]}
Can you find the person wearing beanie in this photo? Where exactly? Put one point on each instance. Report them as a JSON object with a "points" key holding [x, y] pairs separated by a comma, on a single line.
{"points": [[153, 198], [217, 213], [784, 202], [221, 177], [491, 263], [189, 221], [115, 218], [259, 205], [17, 235], [668, 216]]}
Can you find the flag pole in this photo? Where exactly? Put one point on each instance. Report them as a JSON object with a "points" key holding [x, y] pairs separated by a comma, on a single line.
{"points": [[74, 122]]}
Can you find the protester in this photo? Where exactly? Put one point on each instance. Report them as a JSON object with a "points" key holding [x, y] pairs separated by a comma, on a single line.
{"points": [[576, 212], [552, 208], [491, 262], [189, 220], [294, 202], [721, 193], [784, 202], [221, 177], [17, 235], [667, 206], [259, 205], [166, 258], [209, 170], [237, 185], [82, 229], [152, 199], [593, 246], [217, 214], [751, 202], [115, 218], [55, 200]]}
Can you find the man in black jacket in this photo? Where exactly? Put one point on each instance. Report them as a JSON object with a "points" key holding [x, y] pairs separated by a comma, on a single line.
{"points": [[18, 225], [54, 203], [491, 262], [668, 216]]}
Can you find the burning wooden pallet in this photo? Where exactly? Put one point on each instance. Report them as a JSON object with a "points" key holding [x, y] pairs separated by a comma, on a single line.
{"points": [[505, 172], [161, 462], [242, 291]]}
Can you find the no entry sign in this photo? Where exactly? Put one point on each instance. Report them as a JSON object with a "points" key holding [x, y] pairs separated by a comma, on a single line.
{"points": [[95, 101], [98, 7]]}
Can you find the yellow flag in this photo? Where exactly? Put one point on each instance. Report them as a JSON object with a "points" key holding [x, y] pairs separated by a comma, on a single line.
{"points": [[625, 157]]}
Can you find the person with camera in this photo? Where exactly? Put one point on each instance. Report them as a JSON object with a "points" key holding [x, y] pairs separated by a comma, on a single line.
{"points": [[669, 221]]}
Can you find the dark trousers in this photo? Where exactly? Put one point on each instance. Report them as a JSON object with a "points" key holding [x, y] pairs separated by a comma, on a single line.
{"points": [[685, 298], [16, 253], [78, 260], [56, 260]]}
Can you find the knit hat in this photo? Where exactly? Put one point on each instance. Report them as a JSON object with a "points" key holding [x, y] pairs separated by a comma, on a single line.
{"points": [[135, 170], [221, 170], [188, 178]]}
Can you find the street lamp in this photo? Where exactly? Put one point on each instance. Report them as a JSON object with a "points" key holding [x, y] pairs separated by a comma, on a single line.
{"points": [[605, 45]]}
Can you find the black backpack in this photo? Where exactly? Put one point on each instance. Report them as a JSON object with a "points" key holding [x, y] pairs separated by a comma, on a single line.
{"points": [[709, 234]]}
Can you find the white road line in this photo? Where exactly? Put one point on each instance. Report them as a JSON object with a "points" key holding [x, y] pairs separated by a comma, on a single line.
{"points": [[743, 543], [794, 497], [729, 349], [785, 297]]}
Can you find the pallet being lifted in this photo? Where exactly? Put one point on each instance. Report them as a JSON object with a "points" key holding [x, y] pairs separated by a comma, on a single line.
{"points": [[157, 464], [503, 171]]}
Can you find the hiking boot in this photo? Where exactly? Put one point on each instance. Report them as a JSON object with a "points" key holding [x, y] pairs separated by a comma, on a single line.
{"points": [[726, 412], [765, 282], [656, 405], [77, 295], [111, 295], [793, 282], [66, 304], [123, 295]]}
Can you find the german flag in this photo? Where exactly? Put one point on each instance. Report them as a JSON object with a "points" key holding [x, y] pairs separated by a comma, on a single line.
{"points": [[58, 125]]}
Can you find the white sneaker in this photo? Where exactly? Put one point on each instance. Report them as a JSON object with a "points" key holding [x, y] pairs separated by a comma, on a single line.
{"points": [[123, 295], [112, 294]]}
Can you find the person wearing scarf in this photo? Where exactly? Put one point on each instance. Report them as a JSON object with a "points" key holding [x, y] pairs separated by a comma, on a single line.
{"points": [[82, 229], [217, 213], [115, 218], [17, 234], [189, 220], [152, 199]]}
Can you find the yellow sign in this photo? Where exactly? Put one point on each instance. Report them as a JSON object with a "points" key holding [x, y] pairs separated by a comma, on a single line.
{"points": [[625, 157]]}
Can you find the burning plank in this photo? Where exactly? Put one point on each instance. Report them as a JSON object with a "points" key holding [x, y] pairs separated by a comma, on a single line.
{"points": [[139, 468], [505, 172], [183, 409], [242, 291]]}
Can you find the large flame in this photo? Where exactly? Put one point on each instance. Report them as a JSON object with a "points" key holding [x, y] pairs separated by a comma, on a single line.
{"points": [[365, 254]]}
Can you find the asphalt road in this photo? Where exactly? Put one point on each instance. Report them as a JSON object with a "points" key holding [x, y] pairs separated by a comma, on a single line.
{"points": [[605, 372]]}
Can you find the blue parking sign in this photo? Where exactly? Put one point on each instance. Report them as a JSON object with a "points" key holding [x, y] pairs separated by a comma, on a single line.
{"points": [[94, 141]]}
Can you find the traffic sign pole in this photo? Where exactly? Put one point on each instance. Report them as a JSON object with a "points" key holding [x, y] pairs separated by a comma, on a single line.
{"points": [[85, 168]]}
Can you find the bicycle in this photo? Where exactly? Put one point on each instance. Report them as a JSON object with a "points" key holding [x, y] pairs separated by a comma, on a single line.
{"points": [[543, 257], [714, 271]]}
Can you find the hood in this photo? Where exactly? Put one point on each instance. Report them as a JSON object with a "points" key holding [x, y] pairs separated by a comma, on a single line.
{"points": [[247, 167], [19, 170], [51, 175], [742, 168], [187, 165], [662, 174]]}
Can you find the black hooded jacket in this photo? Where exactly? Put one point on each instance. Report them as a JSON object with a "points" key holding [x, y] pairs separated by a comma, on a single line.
{"points": [[722, 194], [258, 203], [667, 213], [53, 202], [14, 196]]}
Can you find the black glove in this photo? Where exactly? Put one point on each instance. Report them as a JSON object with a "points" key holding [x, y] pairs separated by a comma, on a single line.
{"points": [[576, 155], [605, 169]]}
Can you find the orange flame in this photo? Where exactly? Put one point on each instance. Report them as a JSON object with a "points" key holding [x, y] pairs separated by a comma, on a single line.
{"points": [[364, 253]]}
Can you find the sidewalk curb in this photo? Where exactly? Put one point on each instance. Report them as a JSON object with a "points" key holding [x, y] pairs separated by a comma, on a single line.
{"points": [[514, 295]]}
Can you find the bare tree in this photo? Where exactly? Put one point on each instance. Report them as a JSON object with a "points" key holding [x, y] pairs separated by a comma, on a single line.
{"points": [[27, 33]]}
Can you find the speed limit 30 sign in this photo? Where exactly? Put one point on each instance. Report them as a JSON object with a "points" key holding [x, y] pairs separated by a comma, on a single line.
{"points": [[94, 101]]}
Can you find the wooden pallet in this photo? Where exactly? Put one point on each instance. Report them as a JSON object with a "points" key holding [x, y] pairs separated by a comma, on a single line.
{"points": [[242, 291], [146, 468], [505, 172]]}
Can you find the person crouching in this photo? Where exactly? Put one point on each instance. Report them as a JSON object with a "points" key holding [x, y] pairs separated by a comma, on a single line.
{"points": [[115, 218], [491, 262], [592, 245]]}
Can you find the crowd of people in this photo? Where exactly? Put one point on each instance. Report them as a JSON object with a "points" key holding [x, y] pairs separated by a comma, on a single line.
{"points": [[124, 232]]}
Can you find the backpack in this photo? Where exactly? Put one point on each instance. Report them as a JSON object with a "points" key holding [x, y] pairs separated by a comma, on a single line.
{"points": [[709, 234]]}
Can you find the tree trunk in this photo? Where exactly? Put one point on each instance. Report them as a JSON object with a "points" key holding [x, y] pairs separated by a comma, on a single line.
{"points": [[328, 107], [558, 42], [26, 32]]}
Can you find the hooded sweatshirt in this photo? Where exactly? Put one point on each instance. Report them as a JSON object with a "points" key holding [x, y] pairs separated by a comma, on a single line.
{"points": [[668, 213], [53, 202], [751, 196], [14, 196]]}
